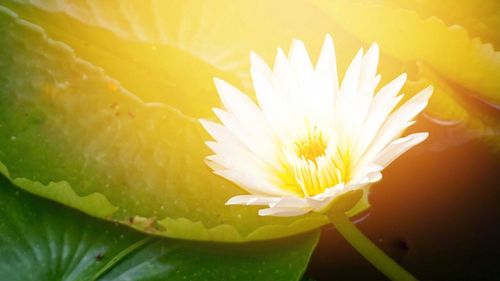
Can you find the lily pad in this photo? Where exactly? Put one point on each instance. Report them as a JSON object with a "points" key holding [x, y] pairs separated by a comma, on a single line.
{"points": [[43, 240], [65, 125], [439, 47]]}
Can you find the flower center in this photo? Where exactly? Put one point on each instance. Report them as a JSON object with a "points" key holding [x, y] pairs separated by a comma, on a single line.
{"points": [[314, 163], [311, 147]]}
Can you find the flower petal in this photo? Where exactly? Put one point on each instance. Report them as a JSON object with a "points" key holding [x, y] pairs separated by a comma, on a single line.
{"points": [[381, 106], [256, 138], [290, 202], [369, 65], [274, 107], [400, 119], [284, 212], [397, 122], [300, 62], [367, 173], [326, 82], [320, 201], [398, 147], [346, 101], [255, 184], [327, 64], [234, 100], [251, 200]]}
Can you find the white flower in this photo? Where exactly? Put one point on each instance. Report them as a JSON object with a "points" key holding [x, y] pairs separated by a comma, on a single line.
{"points": [[310, 139]]}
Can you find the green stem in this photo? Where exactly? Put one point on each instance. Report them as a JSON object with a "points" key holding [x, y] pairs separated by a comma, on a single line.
{"points": [[369, 250]]}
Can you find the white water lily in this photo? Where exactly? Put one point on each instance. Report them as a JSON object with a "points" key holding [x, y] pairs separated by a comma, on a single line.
{"points": [[310, 139]]}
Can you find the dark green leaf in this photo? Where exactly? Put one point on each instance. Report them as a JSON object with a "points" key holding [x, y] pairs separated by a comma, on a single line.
{"points": [[42, 240]]}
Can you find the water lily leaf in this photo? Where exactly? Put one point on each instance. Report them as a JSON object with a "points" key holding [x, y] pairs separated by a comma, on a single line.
{"points": [[452, 106], [480, 18], [62, 126], [463, 70], [408, 37], [152, 47], [42, 240]]}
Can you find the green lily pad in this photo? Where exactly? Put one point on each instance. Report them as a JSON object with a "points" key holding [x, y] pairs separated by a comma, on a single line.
{"points": [[70, 133], [169, 51], [43, 240]]}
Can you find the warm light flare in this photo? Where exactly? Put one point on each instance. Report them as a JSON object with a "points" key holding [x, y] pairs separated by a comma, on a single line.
{"points": [[310, 139]]}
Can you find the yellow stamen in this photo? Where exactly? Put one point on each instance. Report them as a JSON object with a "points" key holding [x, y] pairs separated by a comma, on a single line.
{"points": [[314, 163], [312, 147]]}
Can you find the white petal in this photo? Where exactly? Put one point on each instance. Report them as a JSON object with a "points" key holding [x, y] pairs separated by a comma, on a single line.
{"points": [[253, 183], [300, 61], [401, 119], [350, 83], [251, 200], [368, 81], [327, 64], [234, 100], [346, 101], [213, 165], [290, 202], [285, 78], [240, 163], [284, 212], [226, 143], [369, 65], [398, 147], [383, 103], [258, 64], [322, 200], [326, 82], [219, 132], [306, 99], [233, 154], [366, 173], [254, 136], [371, 178], [243, 164], [273, 105]]}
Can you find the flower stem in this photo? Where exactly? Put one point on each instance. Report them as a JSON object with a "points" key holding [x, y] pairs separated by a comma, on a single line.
{"points": [[367, 249]]}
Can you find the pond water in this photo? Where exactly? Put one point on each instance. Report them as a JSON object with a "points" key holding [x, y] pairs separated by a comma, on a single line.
{"points": [[436, 212]]}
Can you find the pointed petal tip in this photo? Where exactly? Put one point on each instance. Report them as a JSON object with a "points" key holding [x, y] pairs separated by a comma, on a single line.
{"points": [[328, 41], [373, 48], [207, 123], [420, 137], [254, 58], [297, 45], [426, 93], [202, 121], [430, 89], [218, 112], [216, 80], [359, 53], [210, 126], [231, 202], [211, 145], [220, 84], [263, 212]]}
